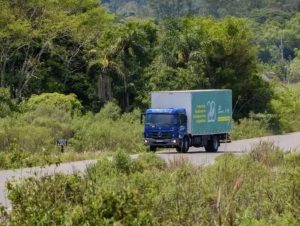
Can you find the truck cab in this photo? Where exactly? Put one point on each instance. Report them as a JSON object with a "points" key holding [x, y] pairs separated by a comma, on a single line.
{"points": [[166, 128]]}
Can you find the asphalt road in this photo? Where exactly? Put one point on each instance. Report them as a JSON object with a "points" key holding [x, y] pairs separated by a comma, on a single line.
{"points": [[197, 156]]}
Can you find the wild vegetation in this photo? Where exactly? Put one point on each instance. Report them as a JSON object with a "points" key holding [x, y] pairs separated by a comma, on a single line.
{"points": [[260, 188], [30, 130], [47, 50], [52, 56], [262, 9], [28, 136]]}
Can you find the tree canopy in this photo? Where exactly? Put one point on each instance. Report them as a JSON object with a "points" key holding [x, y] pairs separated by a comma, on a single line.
{"points": [[143, 46]]}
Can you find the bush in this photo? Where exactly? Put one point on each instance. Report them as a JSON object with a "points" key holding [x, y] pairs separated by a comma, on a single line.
{"points": [[17, 135], [249, 128], [100, 200], [285, 106], [267, 153], [17, 159], [57, 121], [36, 130], [111, 111], [68, 103], [94, 133], [235, 190], [7, 104]]}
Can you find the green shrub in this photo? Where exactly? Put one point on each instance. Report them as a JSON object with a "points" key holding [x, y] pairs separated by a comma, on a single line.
{"points": [[150, 161], [267, 153], [38, 128], [57, 121], [7, 104], [101, 134], [68, 103], [249, 128], [17, 135], [44, 201], [132, 117], [235, 190], [285, 106], [67, 200], [292, 159], [111, 110], [20, 159], [4, 216]]}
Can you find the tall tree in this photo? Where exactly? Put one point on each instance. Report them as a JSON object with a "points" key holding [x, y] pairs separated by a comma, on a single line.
{"points": [[40, 38], [197, 53], [127, 58]]}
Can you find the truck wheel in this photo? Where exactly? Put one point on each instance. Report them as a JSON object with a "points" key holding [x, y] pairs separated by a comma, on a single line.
{"points": [[153, 148], [184, 146], [212, 145]]}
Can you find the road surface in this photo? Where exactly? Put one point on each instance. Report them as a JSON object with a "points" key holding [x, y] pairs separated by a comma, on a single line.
{"points": [[196, 156]]}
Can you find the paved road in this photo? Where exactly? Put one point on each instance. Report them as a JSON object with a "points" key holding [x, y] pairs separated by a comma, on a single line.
{"points": [[195, 156]]}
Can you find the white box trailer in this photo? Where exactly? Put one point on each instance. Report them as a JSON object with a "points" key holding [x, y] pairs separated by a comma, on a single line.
{"points": [[207, 111]]}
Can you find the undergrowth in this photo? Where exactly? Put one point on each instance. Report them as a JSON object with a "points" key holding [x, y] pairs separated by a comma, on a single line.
{"points": [[259, 188]]}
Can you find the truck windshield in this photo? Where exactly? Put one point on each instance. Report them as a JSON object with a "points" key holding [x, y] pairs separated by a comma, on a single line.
{"points": [[161, 119]]}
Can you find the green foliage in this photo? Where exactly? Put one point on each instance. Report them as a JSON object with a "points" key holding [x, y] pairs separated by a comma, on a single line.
{"points": [[44, 47], [7, 104], [97, 133], [251, 127], [103, 204], [235, 190], [126, 60], [17, 135], [217, 8], [68, 103], [294, 69], [267, 153], [286, 107], [46, 118], [199, 53], [111, 111], [16, 159], [29, 138], [4, 217]]}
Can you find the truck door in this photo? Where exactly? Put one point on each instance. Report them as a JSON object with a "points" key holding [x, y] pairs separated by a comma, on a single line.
{"points": [[182, 125]]}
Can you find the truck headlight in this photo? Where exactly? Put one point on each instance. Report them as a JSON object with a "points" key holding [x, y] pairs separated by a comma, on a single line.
{"points": [[174, 141], [146, 141]]}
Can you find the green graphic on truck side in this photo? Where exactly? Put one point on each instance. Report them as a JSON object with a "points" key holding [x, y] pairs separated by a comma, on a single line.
{"points": [[211, 112]]}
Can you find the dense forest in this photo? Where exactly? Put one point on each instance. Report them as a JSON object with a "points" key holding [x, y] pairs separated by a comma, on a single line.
{"points": [[149, 45], [216, 8]]}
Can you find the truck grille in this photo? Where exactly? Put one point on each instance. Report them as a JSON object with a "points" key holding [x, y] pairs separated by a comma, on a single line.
{"points": [[160, 135]]}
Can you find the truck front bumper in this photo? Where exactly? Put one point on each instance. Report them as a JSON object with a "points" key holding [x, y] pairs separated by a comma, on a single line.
{"points": [[174, 142]]}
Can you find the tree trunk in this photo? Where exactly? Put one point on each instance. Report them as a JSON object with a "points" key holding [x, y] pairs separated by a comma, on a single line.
{"points": [[3, 69]]}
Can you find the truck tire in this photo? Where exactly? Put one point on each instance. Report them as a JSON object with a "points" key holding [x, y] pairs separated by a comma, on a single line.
{"points": [[213, 144], [184, 146], [152, 148]]}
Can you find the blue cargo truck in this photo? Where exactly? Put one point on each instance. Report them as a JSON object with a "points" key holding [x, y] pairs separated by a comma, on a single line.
{"points": [[181, 119]]}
